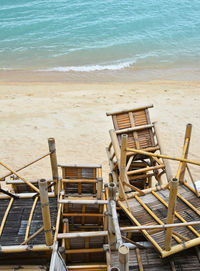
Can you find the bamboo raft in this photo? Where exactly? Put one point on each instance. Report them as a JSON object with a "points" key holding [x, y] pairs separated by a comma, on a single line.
{"points": [[143, 219]]}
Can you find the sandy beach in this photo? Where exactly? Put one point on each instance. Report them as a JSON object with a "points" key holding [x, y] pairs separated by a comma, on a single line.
{"points": [[75, 115]]}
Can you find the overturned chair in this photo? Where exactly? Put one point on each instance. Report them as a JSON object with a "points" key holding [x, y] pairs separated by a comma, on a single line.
{"points": [[134, 130]]}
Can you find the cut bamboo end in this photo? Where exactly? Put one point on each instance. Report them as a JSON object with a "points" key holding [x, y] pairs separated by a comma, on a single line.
{"points": [[45, 212], [114, 268], [123, 258], [112, 189]]}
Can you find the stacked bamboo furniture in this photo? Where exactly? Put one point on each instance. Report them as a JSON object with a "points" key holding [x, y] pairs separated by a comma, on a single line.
{"points": [[141, 171], [81, 219], [78, 222]]}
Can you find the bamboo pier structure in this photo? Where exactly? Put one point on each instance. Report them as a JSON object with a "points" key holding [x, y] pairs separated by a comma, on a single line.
{"points": [[142, 217]]}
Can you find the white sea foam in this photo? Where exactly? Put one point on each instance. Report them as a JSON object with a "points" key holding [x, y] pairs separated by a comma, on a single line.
{"points": [[90, 68]]}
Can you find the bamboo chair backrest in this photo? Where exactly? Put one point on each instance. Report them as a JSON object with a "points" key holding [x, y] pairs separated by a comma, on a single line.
{"points": [[88, 172], [79, 172], [138, 117]]}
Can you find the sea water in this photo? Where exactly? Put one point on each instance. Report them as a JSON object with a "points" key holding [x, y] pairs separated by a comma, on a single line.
{"points": [[89, 35]]}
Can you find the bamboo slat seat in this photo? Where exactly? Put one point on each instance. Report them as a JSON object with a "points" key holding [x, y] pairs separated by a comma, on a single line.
{"points": [[150, 260], [152, 209]]}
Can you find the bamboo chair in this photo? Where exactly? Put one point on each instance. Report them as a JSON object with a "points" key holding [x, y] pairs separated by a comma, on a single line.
{"points": [[141, 135], [83, 228]]}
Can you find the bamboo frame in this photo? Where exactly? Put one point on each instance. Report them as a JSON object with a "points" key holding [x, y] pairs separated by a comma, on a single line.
{"points": [[163, 156], [27, 182], [25, 166]]}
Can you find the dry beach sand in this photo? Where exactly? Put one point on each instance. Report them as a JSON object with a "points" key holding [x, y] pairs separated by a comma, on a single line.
{"points": [[75, 115]]}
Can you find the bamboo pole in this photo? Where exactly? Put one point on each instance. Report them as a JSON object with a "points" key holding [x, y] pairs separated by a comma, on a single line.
{"points": [[99, 188], [163, 156], [182, 165], [81, 234], [112, 188], [161, 227], [25, 195], [115, 222], [171, 212], [115, 144], [45, 212], [123, 258], [5, 216], [54, 164], [27, 182], [133, 129], [180, 247], [165, 161], [137, 251], [30, 218], [122, 167], [83, 201], [25, 166], [24, 248], [32, 236]]}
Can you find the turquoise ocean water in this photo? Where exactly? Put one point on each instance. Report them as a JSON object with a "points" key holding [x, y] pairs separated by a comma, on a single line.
{"points": [[88, 35]]}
